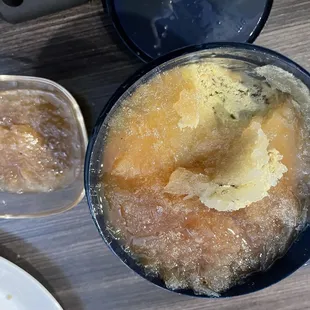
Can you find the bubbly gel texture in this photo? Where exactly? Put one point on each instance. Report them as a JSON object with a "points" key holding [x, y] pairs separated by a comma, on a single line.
{"points": [[244, 176], [39, 142], [201, 176]]}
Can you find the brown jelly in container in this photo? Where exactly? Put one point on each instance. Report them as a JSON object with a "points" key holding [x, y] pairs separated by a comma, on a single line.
{"points": [[42, 144]]}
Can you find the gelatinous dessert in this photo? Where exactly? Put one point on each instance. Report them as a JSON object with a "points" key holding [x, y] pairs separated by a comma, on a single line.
{"points": [[40, 144], [202, 175]]}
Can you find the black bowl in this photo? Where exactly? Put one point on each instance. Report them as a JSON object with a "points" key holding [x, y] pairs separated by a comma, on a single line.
{"points": [[251, 55]]}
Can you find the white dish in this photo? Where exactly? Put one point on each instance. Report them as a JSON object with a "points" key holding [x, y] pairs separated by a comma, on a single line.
{"points": [[20, 291]]}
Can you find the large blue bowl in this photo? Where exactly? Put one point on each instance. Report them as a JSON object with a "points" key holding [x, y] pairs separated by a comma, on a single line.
{"points": [[242, 53]]}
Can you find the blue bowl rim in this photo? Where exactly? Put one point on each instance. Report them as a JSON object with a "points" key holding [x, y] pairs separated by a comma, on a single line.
{"points": [[252, 283]]}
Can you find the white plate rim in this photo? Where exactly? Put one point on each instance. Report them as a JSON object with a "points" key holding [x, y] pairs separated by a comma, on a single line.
{"points": [[22, 273]]}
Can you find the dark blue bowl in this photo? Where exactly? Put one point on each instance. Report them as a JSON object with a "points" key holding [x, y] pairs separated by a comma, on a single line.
{"points": [[150, 28], [299, 252]]}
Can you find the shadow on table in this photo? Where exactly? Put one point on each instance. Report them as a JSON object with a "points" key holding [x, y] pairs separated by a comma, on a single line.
{"points": [[73, 299], [87, 62], [60, 61]]}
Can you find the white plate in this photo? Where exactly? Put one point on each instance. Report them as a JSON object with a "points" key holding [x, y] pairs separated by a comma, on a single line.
{"points": [[20, 291]]}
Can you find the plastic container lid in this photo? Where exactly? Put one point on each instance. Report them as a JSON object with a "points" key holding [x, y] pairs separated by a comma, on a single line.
{"points": [[152, 28]]}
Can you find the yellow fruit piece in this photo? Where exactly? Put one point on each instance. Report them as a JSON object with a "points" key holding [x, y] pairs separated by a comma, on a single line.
{"points": [[242, 177], [282, 127], [188, 109]]}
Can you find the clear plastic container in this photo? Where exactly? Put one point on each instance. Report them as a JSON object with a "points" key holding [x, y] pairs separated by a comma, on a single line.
{"points": [[31, 205]]}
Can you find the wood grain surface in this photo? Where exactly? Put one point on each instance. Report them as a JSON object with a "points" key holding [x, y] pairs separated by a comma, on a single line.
{"points": [[79, 49]]}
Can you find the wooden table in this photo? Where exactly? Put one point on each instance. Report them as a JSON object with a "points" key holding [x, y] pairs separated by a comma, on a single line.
{"points": [[80, 50]]}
